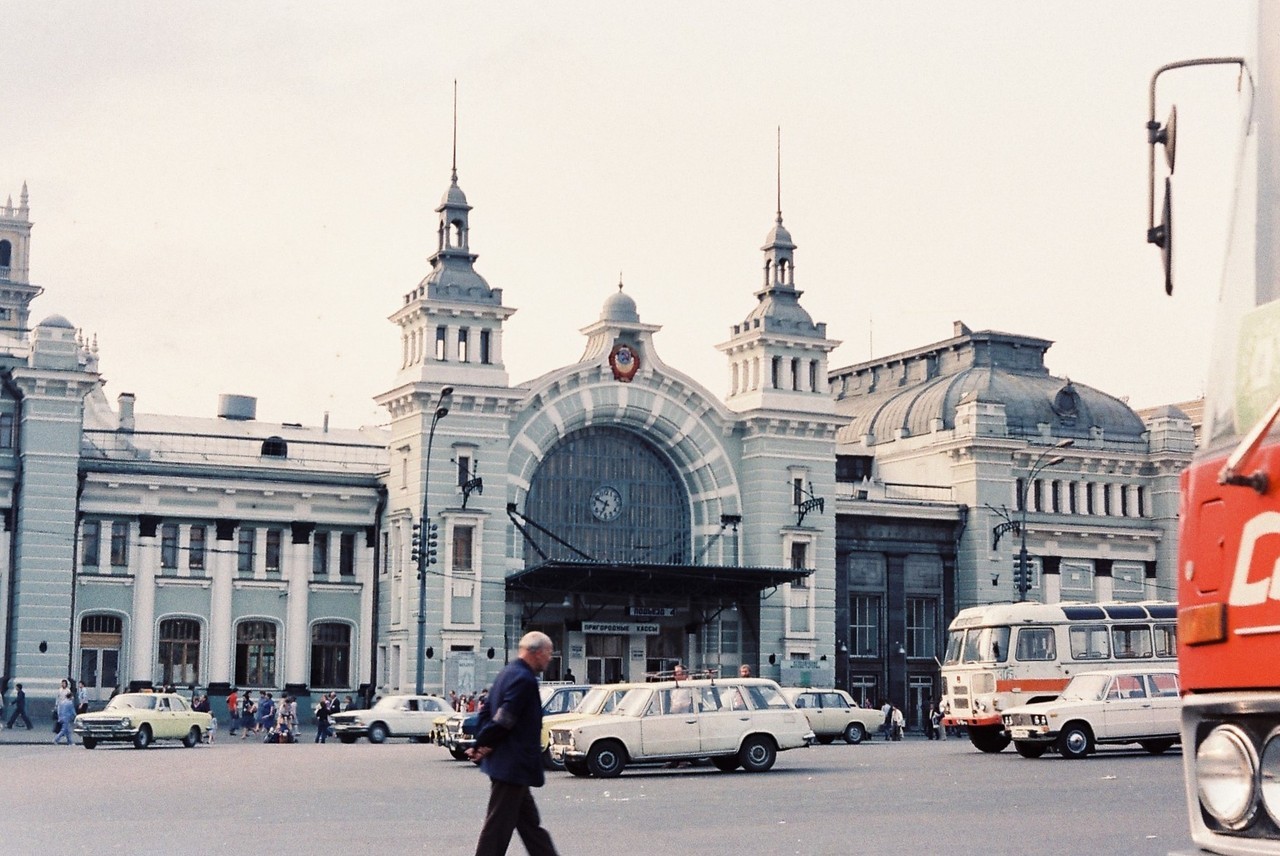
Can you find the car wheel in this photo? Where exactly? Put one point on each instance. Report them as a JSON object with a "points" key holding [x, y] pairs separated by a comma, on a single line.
{"points": [[89, 742], [1156, 747], [606, 759], [458, 754], [347, 738], [855, 733], [1030, 750], [757, 754], [142, 739], [1076, 741], [988, 738], [550, 763], [192, 738], [377, 732], [578, 768], [727, 763]]}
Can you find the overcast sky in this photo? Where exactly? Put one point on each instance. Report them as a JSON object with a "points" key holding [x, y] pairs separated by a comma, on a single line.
{"points": [[233, 197]]}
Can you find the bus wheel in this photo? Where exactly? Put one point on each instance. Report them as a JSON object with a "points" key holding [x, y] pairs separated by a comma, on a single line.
{"points": [[1076, 741], [988, 738], [1030, 750]]}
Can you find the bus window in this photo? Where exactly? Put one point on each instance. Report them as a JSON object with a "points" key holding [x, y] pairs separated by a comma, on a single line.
{"points": [[986, 645], [1036, 643], [1166, 640], [1089, 642], [1131, 642], [955, 643]]}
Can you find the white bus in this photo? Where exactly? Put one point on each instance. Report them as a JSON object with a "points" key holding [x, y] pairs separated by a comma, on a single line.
{"points": [[1006, 654]]}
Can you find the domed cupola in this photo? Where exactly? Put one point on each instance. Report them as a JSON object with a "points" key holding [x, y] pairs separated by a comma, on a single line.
{"points": [[619, 307]]}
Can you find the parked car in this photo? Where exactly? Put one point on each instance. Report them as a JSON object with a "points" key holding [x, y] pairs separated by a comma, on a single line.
{"points": [[1134, 706], [599, 700], [141, 719], [409, 716], [742, 722], [460, 728], [833, 713]]}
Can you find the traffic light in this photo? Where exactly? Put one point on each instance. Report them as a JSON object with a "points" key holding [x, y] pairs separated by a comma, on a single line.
{"points": [[1021, 576], [416, 543], [433, 542]]}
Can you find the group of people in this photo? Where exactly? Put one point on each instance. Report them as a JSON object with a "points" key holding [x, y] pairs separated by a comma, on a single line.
{"points": [[468, 702], [277, 721], [894, 722]]}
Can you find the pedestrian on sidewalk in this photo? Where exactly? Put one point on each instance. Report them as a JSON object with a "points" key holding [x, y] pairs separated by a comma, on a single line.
{"points": [[20, 709]]}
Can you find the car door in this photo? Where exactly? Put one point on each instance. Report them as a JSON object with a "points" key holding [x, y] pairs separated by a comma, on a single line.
{"points": [[723, 720], [1126, 710], [1166, 703], [836, 712], [670, 724]]}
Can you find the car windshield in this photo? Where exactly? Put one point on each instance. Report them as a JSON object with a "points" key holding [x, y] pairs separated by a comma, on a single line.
{"points": [[1086, 688], [389, 703], [634, 702], [132, 701], [594, 700]]}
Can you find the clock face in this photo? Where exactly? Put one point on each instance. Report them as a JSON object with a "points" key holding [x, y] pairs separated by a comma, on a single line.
{"points": [[606, 503]]}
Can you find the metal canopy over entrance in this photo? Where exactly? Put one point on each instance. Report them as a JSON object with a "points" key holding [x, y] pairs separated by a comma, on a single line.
{"points": [[560, 577]]}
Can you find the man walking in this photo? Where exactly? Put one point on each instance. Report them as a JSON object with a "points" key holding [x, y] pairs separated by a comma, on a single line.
{"points": [[20, 709], [509, 749]]}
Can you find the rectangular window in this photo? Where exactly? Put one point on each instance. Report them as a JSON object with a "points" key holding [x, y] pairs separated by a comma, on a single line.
{"points": [[195, 548], [922, 627], [1089, 642], [464, 469], [1020, 494], [1131, 642], [463, 564], [775, 374], [274, 538], [1124, 499], [119, 543], [1036, 643], [256, 654], [244, 550], [1142, 501], [853, 468], [464, 345], [1071, 498], [795, 373], [1088, 499], [169, 545], [800, 559], [320, 554], [797, 492], [1106, 499], [813, 375], [347, 555], [1055, 497], [90, 538], [1166, 640], [331, 655], [1037, 488], [442, 342], [6, 430], [486, 347], [864, 626]]}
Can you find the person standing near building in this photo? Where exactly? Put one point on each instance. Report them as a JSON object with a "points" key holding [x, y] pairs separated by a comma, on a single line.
{"points": [[66, 711], [20, 709], [509, 749], [233, 709]]}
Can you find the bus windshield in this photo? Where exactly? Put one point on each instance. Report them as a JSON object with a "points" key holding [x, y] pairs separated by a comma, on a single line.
{"points": [[983, 645]]}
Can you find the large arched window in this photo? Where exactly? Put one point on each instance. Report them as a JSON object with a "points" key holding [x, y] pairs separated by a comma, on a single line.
{"points": [[179, 652], [613, 495], [256, 654], [331, 655]]}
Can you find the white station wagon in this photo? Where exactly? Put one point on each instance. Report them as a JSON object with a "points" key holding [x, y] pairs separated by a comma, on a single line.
{"points": [[736, 722], [1134, 706]]}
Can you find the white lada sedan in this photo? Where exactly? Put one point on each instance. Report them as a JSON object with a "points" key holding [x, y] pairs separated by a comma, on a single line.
{"points": [[736, 722], [1132, 706]]}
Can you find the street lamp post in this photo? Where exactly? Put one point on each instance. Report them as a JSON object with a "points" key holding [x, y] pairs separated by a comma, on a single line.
{"points": [[1038, 466], [426, 551]]}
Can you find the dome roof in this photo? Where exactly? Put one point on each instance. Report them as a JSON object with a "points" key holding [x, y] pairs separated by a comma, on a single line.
{"points": [[778, 236], [620, 307], [779, 311], [56, 321], [454, 197], [918, 392]]}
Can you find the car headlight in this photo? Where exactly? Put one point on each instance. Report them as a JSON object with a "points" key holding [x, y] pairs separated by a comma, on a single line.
{"points": [[1225, 765], [126, 722], [1039, 719], [1269, 768]]}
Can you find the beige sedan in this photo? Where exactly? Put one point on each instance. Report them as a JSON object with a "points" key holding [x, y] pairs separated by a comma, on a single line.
{"points": [[833, 713]]}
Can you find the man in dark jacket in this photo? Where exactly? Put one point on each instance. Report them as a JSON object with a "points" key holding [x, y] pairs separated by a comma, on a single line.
{"points": [[20, 709], [509, 749]]}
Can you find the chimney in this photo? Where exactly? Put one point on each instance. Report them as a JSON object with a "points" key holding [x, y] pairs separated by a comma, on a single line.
{"points": [[125, 403]]}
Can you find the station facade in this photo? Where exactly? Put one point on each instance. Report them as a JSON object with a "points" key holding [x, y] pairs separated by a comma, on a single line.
{"points": [[800, 525]]}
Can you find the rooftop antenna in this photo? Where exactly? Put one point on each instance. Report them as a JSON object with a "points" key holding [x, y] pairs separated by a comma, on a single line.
{"points": [[455, 130]]}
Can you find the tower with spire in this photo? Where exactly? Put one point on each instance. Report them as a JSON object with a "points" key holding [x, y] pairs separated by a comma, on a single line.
{"points": [[778, 355], [16, 290]]}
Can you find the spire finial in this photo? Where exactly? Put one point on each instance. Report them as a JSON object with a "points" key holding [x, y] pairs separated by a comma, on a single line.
{"points": [[455, 130], [779, 173], [619, 280]]}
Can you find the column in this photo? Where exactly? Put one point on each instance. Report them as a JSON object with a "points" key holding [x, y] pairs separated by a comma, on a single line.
{"points": [[297, 629], [143, 625], [1051, 578], [222, 570], [1103, 584], [366, 570]]}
